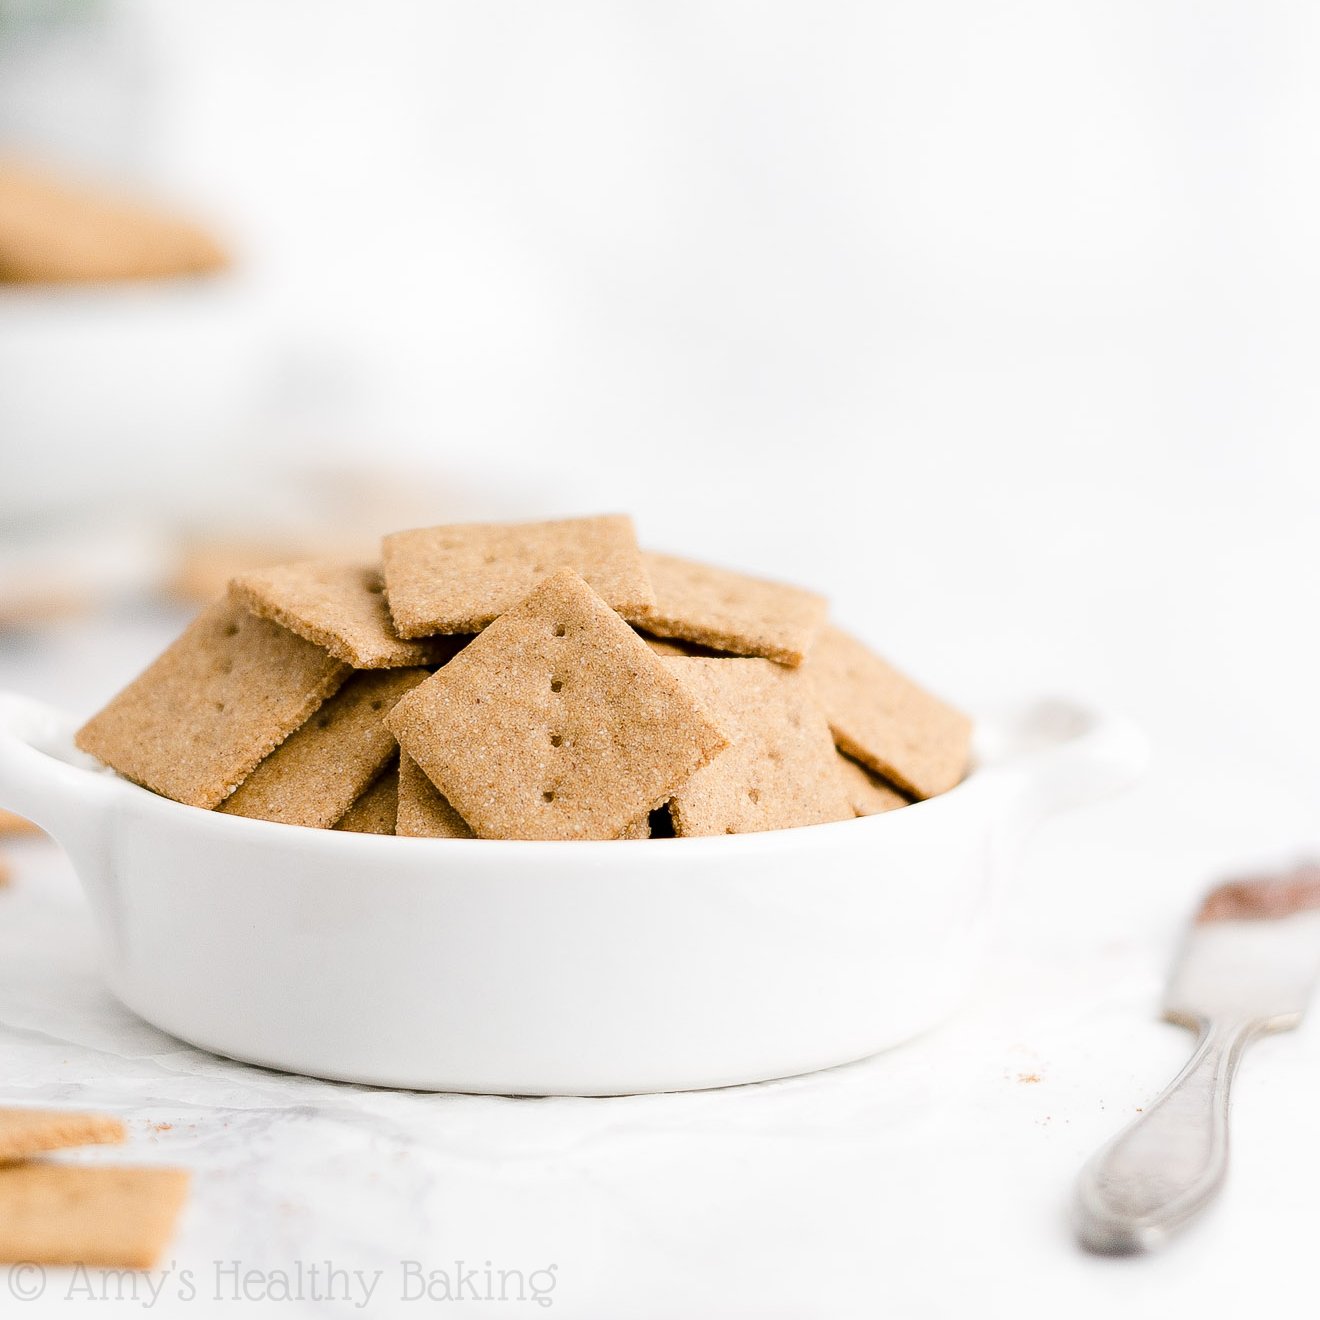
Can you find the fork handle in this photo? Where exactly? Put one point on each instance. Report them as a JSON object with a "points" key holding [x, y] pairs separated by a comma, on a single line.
{"points": [[1168, 1164]]}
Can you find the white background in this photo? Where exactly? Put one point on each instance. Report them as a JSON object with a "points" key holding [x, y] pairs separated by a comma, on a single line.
{"points": [[996, 322]]}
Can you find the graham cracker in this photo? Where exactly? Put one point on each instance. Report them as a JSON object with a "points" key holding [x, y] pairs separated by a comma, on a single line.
{"points": [[25, 1132], [12, 824], [340, 607], [376, 809], [322, 768], [884, 720], [423, 811], [70, 1214], [222, 697], [728, 611], [6, 872], [56, 232], [556, 722], [458, 579], [867, 792], [779, 770]]}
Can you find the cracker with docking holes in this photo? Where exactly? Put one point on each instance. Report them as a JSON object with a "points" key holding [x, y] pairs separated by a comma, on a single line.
{"points": [[71, 1214], [376, 810], [780, 769], [212, 706], [460, 578], [340, 607], [556, 722], [866, 791], [321, 769], [423, 811], [728, 611], [25, 1132], [884, 720]]}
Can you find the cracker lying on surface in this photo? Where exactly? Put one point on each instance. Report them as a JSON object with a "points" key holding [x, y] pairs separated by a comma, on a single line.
{"points": [[457, 579], [70, 1214], [423, 811], [728, 611], [867, 792], [884, 720], [224, 695], [11, 823], [322, 768], [340, 607], [780, 769], [377, 809], [55, 231], [557, 722], [25, 1132]]}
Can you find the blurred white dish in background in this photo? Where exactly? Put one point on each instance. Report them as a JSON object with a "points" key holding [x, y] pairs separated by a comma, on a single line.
{"points": [[552, 968]]}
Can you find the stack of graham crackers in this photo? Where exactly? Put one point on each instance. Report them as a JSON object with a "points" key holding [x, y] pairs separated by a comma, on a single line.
{"points": [[527, 681], [53, 1213]]}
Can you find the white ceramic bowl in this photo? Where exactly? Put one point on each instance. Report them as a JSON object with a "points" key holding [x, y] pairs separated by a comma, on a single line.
{"points": [[551, 968]]}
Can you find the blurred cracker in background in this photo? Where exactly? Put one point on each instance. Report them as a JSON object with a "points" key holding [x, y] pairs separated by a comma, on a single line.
{"points": [[56, 231]]}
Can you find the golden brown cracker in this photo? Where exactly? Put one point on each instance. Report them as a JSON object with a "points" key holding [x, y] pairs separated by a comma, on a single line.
{"points": [[69, 1214], [13, 824], [557, 722], [53, 231], [884, 720], [423, 811], [340, 607], [377, 808], [457, 579], [25, 1132], [779, 770], [866, 791], [728, 611], [322, 768], [196, 723]]}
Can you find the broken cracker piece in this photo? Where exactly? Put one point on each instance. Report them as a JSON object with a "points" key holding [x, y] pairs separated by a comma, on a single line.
{"points": [[866, 791], [728, 611], [884, 720], [557, 722], [459, 578], [70, 1214], [25, 1132], [225, 694], [780, 769], [423, 811], [322, 768], [340, 607], [376, 809]]}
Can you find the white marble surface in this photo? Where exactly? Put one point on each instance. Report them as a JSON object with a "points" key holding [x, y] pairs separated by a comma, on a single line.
{"points": [[930, 1181]]}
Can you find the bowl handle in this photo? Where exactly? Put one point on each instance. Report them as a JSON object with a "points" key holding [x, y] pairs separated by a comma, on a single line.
{"points": [[71, 802], [1061, 754]]}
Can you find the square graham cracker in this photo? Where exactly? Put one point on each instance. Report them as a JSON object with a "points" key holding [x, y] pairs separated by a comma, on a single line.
{"points": [[423, 811], [884, 720], [195, 724], [376, 810], [321, 769], [25, 1132], [728, 611], [340, 607], [70, 1214], [866, 791], [458, 579], [557, 722], [781, 768]]}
